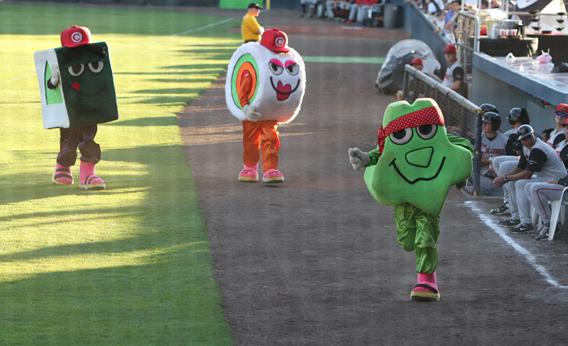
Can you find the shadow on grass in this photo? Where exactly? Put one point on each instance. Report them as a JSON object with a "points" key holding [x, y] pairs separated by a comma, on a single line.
{"points": [[153, 285], [211, 52], [182, 80], [166, 101], [205, 71], [148, 121], [170, 91], [197, 66]]}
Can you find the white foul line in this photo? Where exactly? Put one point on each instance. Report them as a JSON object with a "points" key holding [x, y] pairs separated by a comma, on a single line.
{"points": [[526, 254], [201, 28]]}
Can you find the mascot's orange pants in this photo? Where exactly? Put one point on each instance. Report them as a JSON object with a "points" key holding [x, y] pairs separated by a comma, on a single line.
{"points": [[259, 135]]}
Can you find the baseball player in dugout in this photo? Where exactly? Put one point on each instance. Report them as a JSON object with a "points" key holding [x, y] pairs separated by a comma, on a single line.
{"points": [[250, 28], [538, 163]]}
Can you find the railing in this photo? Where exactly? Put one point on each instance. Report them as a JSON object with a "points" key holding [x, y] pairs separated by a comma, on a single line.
{"points": [[462, 117]]}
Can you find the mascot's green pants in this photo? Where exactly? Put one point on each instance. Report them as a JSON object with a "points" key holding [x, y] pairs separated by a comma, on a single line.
{"points": [[417, 231]]}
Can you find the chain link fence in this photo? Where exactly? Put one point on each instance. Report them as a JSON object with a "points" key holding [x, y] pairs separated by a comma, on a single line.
{"points": [[463, 118], [467, 39]]}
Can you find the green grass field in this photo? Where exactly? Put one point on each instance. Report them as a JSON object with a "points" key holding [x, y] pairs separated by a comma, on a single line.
{"points": [[130, 264]]}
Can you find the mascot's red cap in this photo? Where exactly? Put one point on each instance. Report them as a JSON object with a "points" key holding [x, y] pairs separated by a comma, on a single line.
{"points": [[75, 36], [275, 40]]}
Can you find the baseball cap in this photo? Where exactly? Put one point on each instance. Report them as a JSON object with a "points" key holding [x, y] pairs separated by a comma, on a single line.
{"points": [[275, 40], [417, 61], [254, 5], [75, 36], [561, 110], [450, 49]]}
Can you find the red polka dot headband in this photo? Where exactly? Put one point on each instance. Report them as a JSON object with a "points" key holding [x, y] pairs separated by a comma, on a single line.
{"points": [[424, 116]]}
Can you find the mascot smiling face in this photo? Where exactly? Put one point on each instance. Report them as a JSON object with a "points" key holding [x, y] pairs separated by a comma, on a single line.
{"points": [[87, 83], [418, 164], [275, 77]]}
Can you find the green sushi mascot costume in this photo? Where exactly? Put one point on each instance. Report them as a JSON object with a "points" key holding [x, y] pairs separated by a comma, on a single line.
{"points": [[413, 168], [77, 93]]}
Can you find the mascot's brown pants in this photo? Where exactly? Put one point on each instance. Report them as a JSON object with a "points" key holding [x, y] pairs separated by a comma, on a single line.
{"points": [[84, 139], [259, 135]]}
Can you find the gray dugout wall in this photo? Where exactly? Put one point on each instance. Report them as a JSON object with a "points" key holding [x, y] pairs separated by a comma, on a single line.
{"points": [[488, 89]]}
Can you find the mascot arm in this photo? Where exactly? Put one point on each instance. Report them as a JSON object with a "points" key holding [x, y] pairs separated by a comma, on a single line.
{"points": [[54, 80], [374, 156], [462, 142]]}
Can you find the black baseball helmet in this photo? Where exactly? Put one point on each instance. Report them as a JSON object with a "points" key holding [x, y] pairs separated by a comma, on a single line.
{"points": [[518, 115], [494, 119], [524, 131], [488, 107]]}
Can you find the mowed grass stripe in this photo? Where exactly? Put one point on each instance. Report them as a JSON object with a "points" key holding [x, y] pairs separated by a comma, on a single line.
{"points": [[130, 264]]}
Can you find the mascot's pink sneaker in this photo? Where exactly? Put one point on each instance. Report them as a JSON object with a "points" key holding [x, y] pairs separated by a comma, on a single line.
{"points": [[248, 174], [62, 175], [88, 179], [426, 288], [273, 176]]}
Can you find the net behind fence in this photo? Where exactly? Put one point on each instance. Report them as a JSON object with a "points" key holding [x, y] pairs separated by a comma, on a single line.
{"points": [[463, 118]]}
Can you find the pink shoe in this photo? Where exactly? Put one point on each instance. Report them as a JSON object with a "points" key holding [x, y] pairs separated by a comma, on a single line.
{"points": [[426, 288], [88, 179], [248, 174], [62, 175], [273, 176]]}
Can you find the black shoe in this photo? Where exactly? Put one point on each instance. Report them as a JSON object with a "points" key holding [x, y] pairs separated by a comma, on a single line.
{"points": [[522, 228], [510, 222], [500, 210], [542, 234]]}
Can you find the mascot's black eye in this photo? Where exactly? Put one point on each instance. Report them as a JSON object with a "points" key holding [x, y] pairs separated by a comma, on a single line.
{"points": [[276, 69], [401, 137], [427, 131], [96, 66], [293, 69], [76, 70]]}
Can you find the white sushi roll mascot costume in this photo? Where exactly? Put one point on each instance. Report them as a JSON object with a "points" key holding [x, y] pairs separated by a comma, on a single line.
{"points": [[266, 82]]}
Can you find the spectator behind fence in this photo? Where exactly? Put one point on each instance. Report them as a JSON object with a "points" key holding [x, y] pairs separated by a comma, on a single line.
{"points": [[330, 6], [356, 10], [504, 164], [307, 6], [435, 7], [250, 28], [493, 145], [418, 64], [538, 163], [453, 9], [455, 74]]}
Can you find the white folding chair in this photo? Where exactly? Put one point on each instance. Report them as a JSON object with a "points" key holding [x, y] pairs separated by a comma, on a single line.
{"points": [[555, 211]]}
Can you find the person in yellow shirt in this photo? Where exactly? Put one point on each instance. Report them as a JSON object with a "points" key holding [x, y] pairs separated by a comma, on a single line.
{"points": [[250, 29]]}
